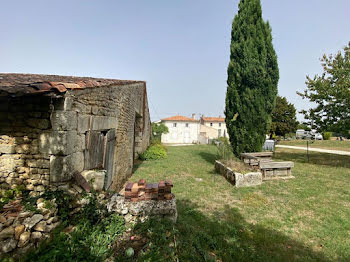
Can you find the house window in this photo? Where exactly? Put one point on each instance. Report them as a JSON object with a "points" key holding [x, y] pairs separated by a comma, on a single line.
{"points": [[174, 125], [219, 124], [186, 124], [211, 124]]}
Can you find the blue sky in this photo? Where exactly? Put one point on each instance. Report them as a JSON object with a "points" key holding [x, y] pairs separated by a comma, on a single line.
{"points": [[181, 48]]}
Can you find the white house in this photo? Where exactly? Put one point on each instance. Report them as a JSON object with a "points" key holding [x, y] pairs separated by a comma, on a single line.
{"points": [[186, 130], [182, 130], [213, 127]]}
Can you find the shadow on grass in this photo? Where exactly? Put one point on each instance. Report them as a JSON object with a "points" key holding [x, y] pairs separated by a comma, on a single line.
{"points": [[226, 236], [209, 157], [314, 158], [137, 163]]}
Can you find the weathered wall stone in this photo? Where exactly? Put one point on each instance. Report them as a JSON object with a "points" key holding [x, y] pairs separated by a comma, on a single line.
{"points": [[142, 210], [238, 179], [43, 140], [22, 122], [115, 108]]}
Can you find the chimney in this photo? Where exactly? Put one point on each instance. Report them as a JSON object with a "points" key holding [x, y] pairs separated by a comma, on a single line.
{"points": [[193, 116]]}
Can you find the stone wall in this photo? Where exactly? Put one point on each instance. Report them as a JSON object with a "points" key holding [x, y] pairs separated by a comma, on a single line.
{"points": [[121, 108], [43, 140], [22, 121]]}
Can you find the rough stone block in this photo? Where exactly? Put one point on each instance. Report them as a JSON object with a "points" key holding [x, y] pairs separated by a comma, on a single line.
{"points": [[96, 178], [79, 107], [142, 210], [64, 104], [103, 122], [61, 142], [38, 123], [249, 179], [63, 167], [7, 149], [9, 163], [64, 120], [38, 163], [83, 123]]}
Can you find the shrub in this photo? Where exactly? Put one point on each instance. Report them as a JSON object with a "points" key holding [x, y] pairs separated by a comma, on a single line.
{"points": [[154, 152], [224, 149], [327, 135]]}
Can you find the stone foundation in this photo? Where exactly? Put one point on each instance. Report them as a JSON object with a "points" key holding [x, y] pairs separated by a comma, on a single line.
{"points": [[140, 211], [238, 179]]}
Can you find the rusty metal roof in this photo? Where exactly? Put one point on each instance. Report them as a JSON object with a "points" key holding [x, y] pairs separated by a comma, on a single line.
{"points": [[25, 84]]}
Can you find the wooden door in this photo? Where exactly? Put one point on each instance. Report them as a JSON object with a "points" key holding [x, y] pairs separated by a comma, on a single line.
{"points": [[94, 152], [109, 157]]}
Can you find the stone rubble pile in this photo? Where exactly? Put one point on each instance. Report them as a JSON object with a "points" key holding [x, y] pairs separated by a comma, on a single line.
{"points": [[22, 230]]}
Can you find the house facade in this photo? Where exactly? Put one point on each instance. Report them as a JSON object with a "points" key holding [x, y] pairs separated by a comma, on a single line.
{"points": [[182, 130], [52, 127], [186, 130], [213, 127]]}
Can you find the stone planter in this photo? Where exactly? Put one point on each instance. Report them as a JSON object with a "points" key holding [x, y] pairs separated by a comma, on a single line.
{"points": [[238, 179]]}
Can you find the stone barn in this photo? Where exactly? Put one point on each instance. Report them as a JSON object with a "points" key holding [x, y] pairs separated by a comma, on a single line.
{"points": [[52, 127]]}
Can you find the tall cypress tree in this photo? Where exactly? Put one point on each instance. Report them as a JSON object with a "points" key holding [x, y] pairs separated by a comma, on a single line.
{"points": [[252, 79]]}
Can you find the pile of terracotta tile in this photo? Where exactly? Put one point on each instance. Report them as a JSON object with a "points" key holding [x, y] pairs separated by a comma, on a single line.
{"points": [[143, 191]]}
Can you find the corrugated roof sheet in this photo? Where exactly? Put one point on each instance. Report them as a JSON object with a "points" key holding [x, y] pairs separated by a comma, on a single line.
{"points": [[180, 118], [23, 84], [213, 119]]}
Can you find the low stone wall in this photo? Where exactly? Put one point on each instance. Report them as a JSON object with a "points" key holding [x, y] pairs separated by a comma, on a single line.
{"points": [[238, 179], [21, 230], [140, 211]]}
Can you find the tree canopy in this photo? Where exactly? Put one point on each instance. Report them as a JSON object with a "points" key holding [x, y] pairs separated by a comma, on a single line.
{"points": [[252, 79], [331, 94], [157, 130], [283, 117]]}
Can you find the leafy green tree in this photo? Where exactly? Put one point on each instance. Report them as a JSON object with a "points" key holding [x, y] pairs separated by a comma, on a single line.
{"points": [[157, 130], [252, 79], [331, 93], [284, 119], [303, 126]]}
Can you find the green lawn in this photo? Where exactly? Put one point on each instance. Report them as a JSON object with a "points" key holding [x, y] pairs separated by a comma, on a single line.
{"points": [[303, 219], [326, 144]]}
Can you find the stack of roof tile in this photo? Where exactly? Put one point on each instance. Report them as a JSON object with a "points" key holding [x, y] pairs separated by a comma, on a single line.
{"points": [[143, 191]]}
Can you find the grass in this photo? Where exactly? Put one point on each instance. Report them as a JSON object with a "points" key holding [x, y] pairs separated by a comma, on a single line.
{"points": [[238, 166], [303, 219], [325, 144], [88, 235]]}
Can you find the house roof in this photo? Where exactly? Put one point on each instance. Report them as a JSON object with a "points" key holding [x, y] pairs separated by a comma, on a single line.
{"points": [[24, 84], [180, 118], [213, 119]]}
